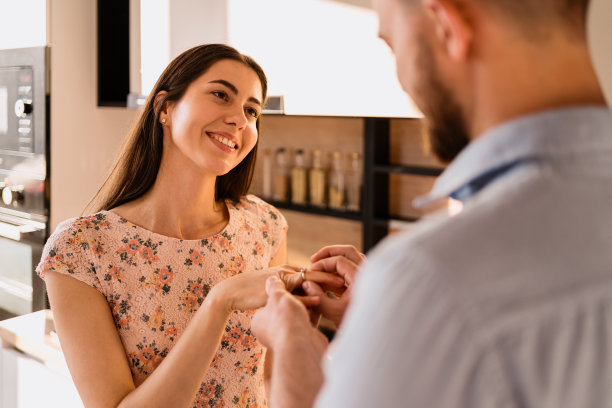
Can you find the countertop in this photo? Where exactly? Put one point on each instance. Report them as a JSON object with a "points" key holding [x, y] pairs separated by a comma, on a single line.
{"points": [[34, 335]]}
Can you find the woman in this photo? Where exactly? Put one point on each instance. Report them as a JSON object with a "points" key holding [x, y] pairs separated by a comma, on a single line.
{"points": [[153, 293]]}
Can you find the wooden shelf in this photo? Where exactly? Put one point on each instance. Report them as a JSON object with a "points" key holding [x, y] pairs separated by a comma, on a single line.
{"points": [[349, 215]]}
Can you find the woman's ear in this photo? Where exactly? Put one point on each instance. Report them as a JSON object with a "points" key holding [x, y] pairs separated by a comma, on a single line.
{"points": [[162, 107], [453, 28]]}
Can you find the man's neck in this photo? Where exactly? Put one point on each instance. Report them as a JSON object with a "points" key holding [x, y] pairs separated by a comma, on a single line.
{"points": [[534, 78]]}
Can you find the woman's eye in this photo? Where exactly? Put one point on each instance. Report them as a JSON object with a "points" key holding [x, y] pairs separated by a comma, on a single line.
{"points": [[220, 95], [252, 112]]}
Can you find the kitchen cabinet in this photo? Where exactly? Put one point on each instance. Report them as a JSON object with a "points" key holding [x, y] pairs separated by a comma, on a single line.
{"points": [[323, 57]]}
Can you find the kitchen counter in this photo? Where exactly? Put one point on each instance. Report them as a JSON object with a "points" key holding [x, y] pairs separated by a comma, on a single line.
{"points": [[33, 371], [34, 335]]}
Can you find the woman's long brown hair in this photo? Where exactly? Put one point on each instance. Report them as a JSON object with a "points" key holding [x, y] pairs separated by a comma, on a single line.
{"points": [[136, 168]]}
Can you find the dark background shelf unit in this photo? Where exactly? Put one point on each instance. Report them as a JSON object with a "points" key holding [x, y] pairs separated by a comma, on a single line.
{"points": [[113, 52], [375, 215]]}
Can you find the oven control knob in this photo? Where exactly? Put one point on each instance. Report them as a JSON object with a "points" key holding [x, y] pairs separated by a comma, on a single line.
{"points": [[23, 107], [7, 196], [11, 195]]}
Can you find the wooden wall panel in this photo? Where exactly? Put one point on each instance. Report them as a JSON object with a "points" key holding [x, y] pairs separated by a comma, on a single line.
{"points": [[409, 144], [308, 233]]}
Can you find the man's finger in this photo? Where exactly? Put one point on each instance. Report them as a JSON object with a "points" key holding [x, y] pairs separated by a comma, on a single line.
{"points": [[347, 251], [274, 285], [337, 264], [325, 278], [309, 301]]}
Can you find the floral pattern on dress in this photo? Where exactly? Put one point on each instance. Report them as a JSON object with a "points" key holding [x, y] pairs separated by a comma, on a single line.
{"points": [[120, 309], [154, 284], [193, 295], [159, 281], [147, 357]]}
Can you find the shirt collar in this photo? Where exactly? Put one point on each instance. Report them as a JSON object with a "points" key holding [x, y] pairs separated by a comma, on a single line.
{"points": [[548, 135]]}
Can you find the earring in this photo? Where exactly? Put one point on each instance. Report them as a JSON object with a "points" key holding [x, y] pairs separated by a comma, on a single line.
{"points": [[163, 121]]}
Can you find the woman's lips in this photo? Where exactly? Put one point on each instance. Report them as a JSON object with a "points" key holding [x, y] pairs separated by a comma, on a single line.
{"points": [[222, 142]]}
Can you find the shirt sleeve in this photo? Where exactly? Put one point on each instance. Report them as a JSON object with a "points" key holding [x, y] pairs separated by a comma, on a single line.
{"points": [[68, 251], [404, 342]]}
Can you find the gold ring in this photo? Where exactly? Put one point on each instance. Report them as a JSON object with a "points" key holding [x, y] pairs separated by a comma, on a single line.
{"points": [[303, 273]]}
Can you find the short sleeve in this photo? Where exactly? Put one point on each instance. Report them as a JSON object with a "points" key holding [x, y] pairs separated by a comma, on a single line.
{"points": [[68, 251]]}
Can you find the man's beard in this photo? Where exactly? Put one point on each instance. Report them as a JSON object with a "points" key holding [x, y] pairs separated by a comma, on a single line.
{"points": [[444, 120]]}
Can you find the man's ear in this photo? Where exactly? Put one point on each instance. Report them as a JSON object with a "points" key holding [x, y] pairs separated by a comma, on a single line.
{"points": [[163, 110], [452, 26]]}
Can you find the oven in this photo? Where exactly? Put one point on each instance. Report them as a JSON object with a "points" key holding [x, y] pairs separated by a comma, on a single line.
{"points": [[24, 177]]}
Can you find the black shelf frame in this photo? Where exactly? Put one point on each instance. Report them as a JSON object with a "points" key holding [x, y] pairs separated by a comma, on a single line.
{"points": [[400, 169]]}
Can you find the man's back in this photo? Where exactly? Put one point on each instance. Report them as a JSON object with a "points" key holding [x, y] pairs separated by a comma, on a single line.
{"points": [[508, 303]]}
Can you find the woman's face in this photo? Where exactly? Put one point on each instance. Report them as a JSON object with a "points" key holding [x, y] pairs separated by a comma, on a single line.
{"points": [[214, 124]]}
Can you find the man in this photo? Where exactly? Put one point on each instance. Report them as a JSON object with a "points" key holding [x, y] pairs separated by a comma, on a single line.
{"points": [[509, 303]]}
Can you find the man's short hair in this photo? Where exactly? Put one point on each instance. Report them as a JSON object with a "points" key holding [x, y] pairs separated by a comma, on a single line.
{"points": [[535, 14], [535, 17]]}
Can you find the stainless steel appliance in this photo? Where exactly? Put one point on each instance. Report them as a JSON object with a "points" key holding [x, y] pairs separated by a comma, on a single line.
{"points": [[24, 177]]}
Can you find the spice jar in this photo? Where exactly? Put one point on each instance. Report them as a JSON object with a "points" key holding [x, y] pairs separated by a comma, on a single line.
{"points": [[336, 183], [317, 180], [353, 183], [299, 179], [267, 174], [281, 175]]}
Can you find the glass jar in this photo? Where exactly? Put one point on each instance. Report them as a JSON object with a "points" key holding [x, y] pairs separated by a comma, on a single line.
{"points": [[299, 179], [336, 183], [281, 175], [317, 180], [267, 174], [353, 183]]}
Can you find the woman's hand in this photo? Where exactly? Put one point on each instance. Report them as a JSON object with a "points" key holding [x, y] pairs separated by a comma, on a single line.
{"points": [[246, 291]]}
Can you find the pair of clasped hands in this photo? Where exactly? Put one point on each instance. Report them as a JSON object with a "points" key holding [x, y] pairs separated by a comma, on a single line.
{"points": [[290, 311]]}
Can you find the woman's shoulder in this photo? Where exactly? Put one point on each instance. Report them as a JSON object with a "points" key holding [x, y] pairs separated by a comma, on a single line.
{"points": [[256, 206], [84, 225]]}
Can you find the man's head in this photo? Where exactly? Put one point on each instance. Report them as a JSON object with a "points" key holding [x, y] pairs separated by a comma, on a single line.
{"points": [[471, 64]]}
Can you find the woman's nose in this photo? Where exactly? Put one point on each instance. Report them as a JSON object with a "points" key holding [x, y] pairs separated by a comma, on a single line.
{"points": [[237, 117]]}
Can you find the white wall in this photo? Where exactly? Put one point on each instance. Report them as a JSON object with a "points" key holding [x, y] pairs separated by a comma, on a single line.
{"points": [[84, 138], [600, 39], [23, 23]]}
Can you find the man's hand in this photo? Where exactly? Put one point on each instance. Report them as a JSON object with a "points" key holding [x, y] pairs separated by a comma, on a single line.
{"points": [[343, 260], [284, 327], [282, 314]]}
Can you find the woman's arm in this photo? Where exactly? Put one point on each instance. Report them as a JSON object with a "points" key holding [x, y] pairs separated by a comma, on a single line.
{"points": [[97, 359]]}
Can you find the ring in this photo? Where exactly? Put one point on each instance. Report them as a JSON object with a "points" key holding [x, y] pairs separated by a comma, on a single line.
{"points": [[303, 273]]}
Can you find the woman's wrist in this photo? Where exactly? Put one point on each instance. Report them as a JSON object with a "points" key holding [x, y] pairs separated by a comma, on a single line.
{"points": [[219, 300]]}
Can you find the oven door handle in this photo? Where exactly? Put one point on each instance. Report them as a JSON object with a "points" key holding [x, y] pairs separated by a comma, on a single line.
{"points": [[16, 232]]}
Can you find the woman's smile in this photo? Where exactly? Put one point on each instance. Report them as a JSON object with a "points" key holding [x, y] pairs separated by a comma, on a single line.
{"points": [[224, 141]]}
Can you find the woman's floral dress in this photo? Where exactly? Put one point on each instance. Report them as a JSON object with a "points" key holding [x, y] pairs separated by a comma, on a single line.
{"points": [[154, 284]]}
